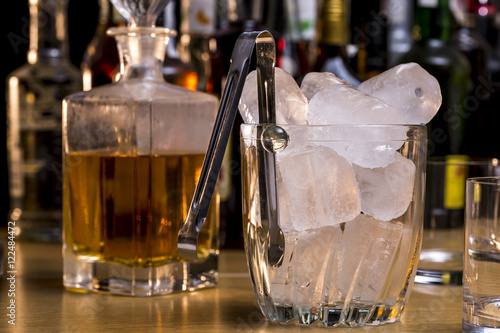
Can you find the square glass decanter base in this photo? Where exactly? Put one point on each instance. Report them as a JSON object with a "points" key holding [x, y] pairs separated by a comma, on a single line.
{"points": [[112, 278]]}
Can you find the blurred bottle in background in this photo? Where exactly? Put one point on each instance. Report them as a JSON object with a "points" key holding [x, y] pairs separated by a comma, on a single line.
{"points": [[399, 29], [274, 20], [301, 18], [100, 60], [235, 17], [333, 36], [174, 70], [196, 42], [369, 35], [477, 50], [34, 110], [487, 20], [434, 51], [481, 135]]}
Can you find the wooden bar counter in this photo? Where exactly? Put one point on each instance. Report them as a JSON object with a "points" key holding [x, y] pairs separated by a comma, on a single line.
{"points": [[43, 305]]}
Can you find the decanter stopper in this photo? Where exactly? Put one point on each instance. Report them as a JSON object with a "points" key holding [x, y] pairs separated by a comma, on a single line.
{"points": [[140, 13]]}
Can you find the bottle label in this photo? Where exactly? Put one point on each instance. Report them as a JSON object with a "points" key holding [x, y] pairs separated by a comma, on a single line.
{"points": [[199, 17], [455, 176], [302, 18], [428, 3]]}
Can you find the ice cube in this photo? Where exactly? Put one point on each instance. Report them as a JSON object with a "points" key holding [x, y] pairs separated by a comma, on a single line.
{"points": [[291, 104], [409, 88], [386, 192], [313, 82], [368, 147], [317, 188], [316, 249], [344, 104], [369, 246]]}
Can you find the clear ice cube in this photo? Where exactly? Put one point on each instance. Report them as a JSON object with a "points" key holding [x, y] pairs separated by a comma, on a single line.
{"points": [[312, 260], [367, 147], [313, 82], [344, 104], [316, 188], [410, 89], [291, 104], [369, 246], [386, 192]]}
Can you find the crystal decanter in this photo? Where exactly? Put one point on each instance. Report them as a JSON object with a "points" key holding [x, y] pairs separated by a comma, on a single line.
{"points": [[133, 152]]}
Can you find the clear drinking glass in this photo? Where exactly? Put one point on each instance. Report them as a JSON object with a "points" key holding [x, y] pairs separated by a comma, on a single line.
{"points": [[481, 312], [441, 258], [352, 233]]}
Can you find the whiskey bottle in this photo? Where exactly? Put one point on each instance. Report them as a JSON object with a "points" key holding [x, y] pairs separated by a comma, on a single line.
{"points": [[34, 141]]}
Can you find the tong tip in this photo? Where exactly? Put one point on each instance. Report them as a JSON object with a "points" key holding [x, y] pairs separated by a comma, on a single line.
{"points": [[187, 240]]}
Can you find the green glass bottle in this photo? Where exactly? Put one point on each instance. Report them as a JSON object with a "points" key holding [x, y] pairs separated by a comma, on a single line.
{"points": [[434, 51]]}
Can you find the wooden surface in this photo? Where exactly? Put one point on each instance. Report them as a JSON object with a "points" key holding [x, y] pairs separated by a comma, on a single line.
{"points": [[43, 305]]}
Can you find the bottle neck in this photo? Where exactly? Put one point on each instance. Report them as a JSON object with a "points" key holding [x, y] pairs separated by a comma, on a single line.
{"points": [[170, 22], [108, 15], [236, 11], [432, 20], [332, 24], [48, 30], [142, 51]]}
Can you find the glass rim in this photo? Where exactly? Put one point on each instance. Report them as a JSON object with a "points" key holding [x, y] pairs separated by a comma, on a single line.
{"points": [[487, 181], [421, 126], [472, 161], [341, 132]]}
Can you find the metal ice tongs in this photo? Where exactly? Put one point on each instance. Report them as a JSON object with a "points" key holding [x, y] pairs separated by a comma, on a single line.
{"points": [[240, 62]]}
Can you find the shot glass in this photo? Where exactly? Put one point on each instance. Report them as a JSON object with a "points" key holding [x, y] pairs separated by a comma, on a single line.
{"points": [[349, 206], [481, 287], [441, 258]]}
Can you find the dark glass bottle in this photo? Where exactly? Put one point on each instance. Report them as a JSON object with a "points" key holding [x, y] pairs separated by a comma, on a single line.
{"points": [[332, 38], [369, 34], [236, 19], [174, 70], [486, 17], [476, 48], [34, 141], [434, 51], [100, 60]]}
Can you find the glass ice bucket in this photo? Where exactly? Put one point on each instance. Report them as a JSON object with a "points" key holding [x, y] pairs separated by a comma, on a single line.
{"points": [[348, 201]]}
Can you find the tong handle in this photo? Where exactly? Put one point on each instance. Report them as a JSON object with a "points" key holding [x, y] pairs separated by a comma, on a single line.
{"points": [[269, 211], [240, 63]]}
